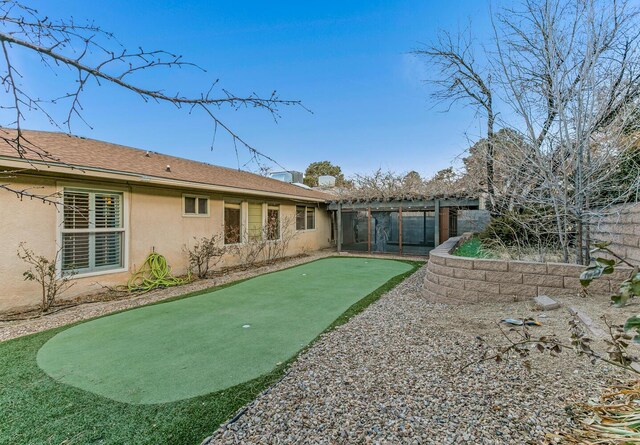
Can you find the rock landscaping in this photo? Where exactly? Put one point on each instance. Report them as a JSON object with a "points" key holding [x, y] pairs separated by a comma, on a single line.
{"points": [[391, 375]]}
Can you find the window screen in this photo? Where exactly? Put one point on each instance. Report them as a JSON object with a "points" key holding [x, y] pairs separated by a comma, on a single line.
{"points": [[232, 224], [273, 223], [311, 218], [300, 215]]}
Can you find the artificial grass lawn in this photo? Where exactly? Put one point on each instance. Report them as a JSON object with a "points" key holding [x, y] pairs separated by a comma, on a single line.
{"points": [[472, 248], [38, 409], [190, 347]]}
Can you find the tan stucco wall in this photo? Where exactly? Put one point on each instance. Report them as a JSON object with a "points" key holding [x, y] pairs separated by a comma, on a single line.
{"points": [[154, 220]]}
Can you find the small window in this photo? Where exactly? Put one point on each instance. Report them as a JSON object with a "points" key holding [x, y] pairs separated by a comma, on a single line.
{"points": [[232, 224], [311, 218], [196, 205], [203, 206], [300, 215], [273, 223], [305, 218]]}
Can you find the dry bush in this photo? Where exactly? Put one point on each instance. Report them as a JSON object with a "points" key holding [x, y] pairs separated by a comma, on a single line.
{"points": [[43, 271], [260, 250], [388, 185], [205, 254]]}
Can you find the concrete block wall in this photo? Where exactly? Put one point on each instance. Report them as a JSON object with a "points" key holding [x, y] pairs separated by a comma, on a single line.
{"points": [[622, 228], [453, 279]]}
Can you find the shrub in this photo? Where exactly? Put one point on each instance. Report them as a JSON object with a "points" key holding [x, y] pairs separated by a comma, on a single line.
{"points": [[264, 250], [205, 254], [522, 229], [43, 271]]}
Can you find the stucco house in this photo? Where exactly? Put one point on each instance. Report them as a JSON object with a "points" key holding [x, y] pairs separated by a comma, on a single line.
{"points": [[121, 203]]}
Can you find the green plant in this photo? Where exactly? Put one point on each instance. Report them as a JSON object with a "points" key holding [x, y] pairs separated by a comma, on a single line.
{"points": [[472, 248], [43, 271], [604, 266]]}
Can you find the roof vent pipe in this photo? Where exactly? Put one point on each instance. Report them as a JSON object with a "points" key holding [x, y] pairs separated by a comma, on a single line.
{"points": [[168, 168]]}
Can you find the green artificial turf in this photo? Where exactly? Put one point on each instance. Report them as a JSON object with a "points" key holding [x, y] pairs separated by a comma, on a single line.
{"points": [[38, 409], [472, 248], [186, 348]]}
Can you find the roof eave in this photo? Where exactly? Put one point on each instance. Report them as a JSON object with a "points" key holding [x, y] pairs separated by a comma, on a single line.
{"points": [[101, 173]]}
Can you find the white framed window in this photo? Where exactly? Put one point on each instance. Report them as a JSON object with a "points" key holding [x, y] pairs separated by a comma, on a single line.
{"points": [[92, 234], [195, 205], [305, 218], [232, 223]]}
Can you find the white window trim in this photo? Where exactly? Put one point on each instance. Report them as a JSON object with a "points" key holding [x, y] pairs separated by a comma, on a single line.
{"points": [[60, 186], [265, 213], [243, 211], [196, 215]]}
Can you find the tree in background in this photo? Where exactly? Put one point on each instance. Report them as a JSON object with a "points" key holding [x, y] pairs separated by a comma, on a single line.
{"points": [[78, 56], [320, 168], [567, 73], [460, 77]]}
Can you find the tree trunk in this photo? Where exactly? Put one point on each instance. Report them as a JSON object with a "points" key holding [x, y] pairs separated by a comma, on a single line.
{"points": [[489, 161]]}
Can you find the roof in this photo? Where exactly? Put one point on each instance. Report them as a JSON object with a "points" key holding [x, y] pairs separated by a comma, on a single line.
{"points": [[90, 154]]}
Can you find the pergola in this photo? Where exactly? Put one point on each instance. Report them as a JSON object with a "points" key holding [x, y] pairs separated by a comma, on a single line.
{"points": [[401, 226]]}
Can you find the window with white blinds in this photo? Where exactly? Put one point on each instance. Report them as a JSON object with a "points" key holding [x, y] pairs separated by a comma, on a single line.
{"points": [[92, 231]]}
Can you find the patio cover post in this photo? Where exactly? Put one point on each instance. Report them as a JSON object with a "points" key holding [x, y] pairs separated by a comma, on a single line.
{"points": [[369, 230], [339, 228], [436, 226], [400, 229]]}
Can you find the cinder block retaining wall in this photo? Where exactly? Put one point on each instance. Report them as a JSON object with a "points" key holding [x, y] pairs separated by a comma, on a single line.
{"points": [[453, 279], [622, 229]]}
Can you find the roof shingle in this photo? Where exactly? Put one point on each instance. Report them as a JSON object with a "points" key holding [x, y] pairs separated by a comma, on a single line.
{"points": [[90, 153]]}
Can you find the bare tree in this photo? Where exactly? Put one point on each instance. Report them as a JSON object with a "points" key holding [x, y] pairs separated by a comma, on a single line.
{"points": [[571, 74], [385, 185], [567, 74], [460, 78], [97, 58]]}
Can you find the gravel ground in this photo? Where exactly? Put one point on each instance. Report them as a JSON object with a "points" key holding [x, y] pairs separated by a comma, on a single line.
{"points": [[599, 306], [391, 376]]}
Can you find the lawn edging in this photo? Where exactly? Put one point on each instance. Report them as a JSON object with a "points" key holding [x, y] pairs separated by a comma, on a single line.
{"points": [[459, 280]]}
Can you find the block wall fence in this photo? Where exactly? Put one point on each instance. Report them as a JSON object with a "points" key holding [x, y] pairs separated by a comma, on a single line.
{"points": [[454, 279], [622, 228]]}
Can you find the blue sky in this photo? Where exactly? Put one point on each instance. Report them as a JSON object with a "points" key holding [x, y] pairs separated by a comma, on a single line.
{"points": [[347, 61]]}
